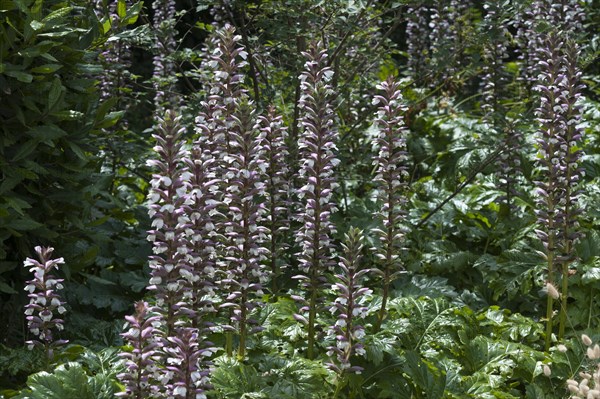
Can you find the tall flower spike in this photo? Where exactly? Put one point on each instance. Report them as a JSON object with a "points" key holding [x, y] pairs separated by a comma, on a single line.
{"points": [[278, 190], [390, 179], [539, 17], [140, 363], [558, 116], [165, 45], [171, 272], [202, 236], [417, 36], [45, 305], [348, 333], [246, 236], [495, 52], [318, 160], [225, 59], [116, 55], [572, 172]]}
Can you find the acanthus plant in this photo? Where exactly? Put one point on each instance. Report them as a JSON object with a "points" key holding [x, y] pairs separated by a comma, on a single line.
{"points": [[140, 362], [317, 145], [390, 180], [165, 45], [278, 191], [348, 332], [417, 36], [217, 149], [538, 17], [171, 271], [185, 361], [224, 58], [494, 87], [46, 307], [446, 45], [558, 116], [244, 271], [116, 54], [179, 280]]}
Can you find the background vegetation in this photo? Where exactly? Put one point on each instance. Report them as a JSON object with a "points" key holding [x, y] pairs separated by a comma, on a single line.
{"points": [[82, 91]]}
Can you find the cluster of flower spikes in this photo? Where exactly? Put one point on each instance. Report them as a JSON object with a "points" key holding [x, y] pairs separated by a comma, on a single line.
{"points": [[537, 18], [278, 190], [116, 55], [348, 333], [163, 24], [244, 272], [45, 305], [589, 386], [390, 179], [446, 34], [230, 146], [176, 279], [317, 148]]}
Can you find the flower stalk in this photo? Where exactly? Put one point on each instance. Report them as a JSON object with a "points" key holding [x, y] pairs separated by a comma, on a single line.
{"points": [[558, 116], [45, 305], [348, 333], [390, 180], [317, 146]]}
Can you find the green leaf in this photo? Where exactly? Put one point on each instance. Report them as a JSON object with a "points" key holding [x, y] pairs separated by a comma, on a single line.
{"points": [[25, 149], [46, 68], [24, 224], [591, 276], [7, 289], [133, 13], [20, 76], [121, 9], [46, 133], [40, 48], [106, 26], [77, 150], [58, 14], [56, 90]]}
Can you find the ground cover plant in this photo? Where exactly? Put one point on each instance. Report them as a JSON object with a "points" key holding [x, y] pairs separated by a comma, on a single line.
{"points": [[299, 199]]}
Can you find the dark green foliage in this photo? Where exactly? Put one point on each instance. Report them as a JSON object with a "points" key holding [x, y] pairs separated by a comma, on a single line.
{"points": [[465, 320], [54, 188]]}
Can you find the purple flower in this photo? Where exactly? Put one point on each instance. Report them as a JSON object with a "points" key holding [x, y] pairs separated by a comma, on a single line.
{"points": [[417, 39], [186, 365], [558, 116], [141, 360], [318, 148], [45, 308], [171, 272], [116, 54], [244, 272], [278, 190], [533, 23], [390, 180], [348, 333]]}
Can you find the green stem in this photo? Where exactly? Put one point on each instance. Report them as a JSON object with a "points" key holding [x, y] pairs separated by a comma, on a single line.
{"points": [[312, 313], [550, 300], [564, 297]]}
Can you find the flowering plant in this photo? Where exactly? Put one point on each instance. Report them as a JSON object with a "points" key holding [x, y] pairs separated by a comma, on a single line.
{"points": [[45, 307]]}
